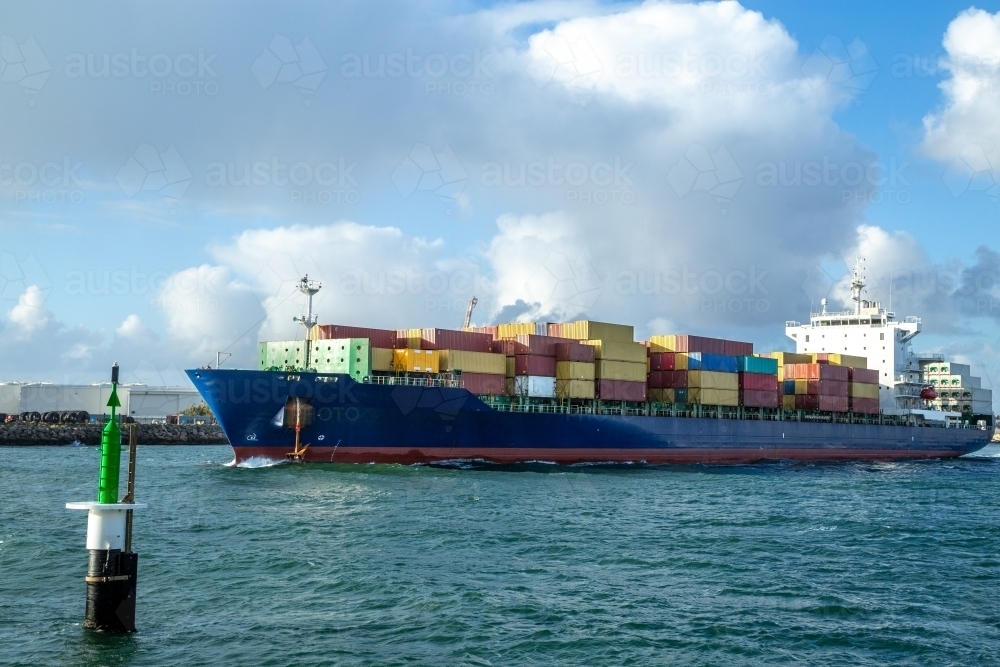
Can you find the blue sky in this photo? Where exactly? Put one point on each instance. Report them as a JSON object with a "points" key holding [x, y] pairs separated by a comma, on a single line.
{"points": [[627, 162]]}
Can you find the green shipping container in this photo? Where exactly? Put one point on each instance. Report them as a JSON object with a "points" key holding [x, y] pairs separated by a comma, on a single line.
{"points": [[764, 365], [350, 356], [282, 354]]}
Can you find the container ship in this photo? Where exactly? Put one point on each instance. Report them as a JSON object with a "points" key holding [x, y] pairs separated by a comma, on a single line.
{"points": [[586, 392]]}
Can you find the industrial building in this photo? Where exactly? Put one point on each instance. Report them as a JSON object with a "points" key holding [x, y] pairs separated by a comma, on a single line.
{"points": [[138, 400]]}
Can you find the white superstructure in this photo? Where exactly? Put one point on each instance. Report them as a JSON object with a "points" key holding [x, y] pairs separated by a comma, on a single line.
{"points": [[869, 331]]}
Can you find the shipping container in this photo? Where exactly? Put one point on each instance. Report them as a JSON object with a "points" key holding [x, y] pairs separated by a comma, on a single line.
{"points": [[788, 401], [534, 386], [706, 361], [654, 379], [350, 356], [820, 402], [450, 339], [620, 370], [827, 387], [788, 388], [532, 344], [681, 395], [764, 365], [509, 367], [816, 372], [385, 338], [484, 384], [632, 352], [687, 343], [662, 344], [787, 357], [574, 389], [867, 375], [514, 329], [713, 380], [660, 395], [759, 382], [673, 379], [381, 359], [472, 362], [504, 346], [839, 359], [534, 364], [567, 351], [867, 406], [620, 390], [492, 330], [668, 361], [756, 398], [575, 370], [409, 339], [416, 361], [590, 330], [706, 396], [862, 390], [735, 348]]}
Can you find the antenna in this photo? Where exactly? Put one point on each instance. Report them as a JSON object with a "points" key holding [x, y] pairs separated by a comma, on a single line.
{"points": [[891, 276], [308, 319], [857, 284]]}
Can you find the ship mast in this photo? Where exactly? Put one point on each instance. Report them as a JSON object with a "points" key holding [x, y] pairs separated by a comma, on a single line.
{"points": [[308, 319], [857, 285]]}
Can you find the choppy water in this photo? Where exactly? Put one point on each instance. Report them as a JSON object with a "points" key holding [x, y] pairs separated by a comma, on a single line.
{"points": [[848, 564]]}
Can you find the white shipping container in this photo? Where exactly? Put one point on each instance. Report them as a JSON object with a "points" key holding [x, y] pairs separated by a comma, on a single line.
{"points": [[535, 386]]}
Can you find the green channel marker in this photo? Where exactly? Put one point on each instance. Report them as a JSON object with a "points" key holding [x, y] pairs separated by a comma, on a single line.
{"points": [[111, 449]]}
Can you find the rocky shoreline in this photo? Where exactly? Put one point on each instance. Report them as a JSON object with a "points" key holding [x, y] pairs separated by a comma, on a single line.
{"points": [[35, 433]]}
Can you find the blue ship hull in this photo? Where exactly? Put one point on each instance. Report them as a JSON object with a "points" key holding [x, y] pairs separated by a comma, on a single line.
{"points": [[374, 423]]}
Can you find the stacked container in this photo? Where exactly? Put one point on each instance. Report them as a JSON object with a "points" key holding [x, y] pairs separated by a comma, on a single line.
{"points": [[382, 338], [589, 330], [713, 379], [619, 370], [282, 354], [575, 370], [862, 390], [817, 387], [530, 363], [350, 356], [687, 343], [758, 380], [667, 380]]}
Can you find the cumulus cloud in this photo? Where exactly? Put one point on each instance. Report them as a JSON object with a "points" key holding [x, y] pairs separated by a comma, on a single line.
{"points": [[966, 127], [30, 315]]}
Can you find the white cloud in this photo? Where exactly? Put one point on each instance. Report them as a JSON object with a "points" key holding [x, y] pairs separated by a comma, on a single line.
{"points": [[30, 314], [972, 91]]}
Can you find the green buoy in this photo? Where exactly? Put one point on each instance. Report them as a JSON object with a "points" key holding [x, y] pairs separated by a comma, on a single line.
{"points": [[111, 449]]}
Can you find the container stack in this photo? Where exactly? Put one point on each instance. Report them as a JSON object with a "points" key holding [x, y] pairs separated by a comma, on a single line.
{"points": [[758, 380], [350, 356], [619, 363], [575, 370], [465, 354], [668, 377], [713, 379], [687, 343], [282, 354], [816, 387], [862, 390], [958, 390], [532, 363]]}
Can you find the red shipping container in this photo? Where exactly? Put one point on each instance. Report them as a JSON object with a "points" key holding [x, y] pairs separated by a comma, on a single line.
{"points": [[826, 387], [736, 348], [753, 398], [816, 372], [674, 379], [865, 375], [654, 380], [505, 346], [621, 390], [492, 331], [662, 361], [819, 402], [378, 337], [868, 406], [686, 343], [574, 352], [532, 344], [535, 364], [449, 339], [483, 384], [759, 382]]}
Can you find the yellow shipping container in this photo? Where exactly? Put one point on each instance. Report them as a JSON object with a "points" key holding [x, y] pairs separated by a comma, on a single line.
{"points": [[574, 389], [575, 370], [663, 343], [589, 330], [605, 349], [802, 386], [704, 396], [837, 359], [862, 390], [416, 361], [509, 367], [714, 380], [788, 402], [680, 361], [382, 359], [607, 369], [473, 362], [661, 395], [515, 329]]}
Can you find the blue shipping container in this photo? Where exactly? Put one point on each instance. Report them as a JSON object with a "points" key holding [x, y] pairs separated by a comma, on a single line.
{"points": [[788, 387], [680, 395], [706, 361], [764, 365]]}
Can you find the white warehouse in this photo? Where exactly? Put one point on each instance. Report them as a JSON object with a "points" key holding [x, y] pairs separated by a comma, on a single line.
{"points": [[138, 400]]}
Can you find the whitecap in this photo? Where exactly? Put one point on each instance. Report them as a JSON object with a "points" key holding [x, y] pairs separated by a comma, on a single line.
{"points": [[256, 462]]}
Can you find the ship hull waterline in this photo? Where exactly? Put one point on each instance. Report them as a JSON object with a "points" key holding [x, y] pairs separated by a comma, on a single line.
{"points": [[355, 422]]}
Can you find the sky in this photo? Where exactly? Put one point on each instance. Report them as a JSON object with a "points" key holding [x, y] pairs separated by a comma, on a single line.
{"points": [[169, 171]]}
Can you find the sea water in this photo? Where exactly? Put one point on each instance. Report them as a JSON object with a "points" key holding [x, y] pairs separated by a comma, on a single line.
{"points": [[473, 564]]}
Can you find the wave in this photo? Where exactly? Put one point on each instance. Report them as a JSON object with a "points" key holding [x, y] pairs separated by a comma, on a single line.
{"points": [[256, 462]]}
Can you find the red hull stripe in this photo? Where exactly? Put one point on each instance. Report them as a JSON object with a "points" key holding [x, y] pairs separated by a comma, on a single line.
{"points": [[407, 456]]}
